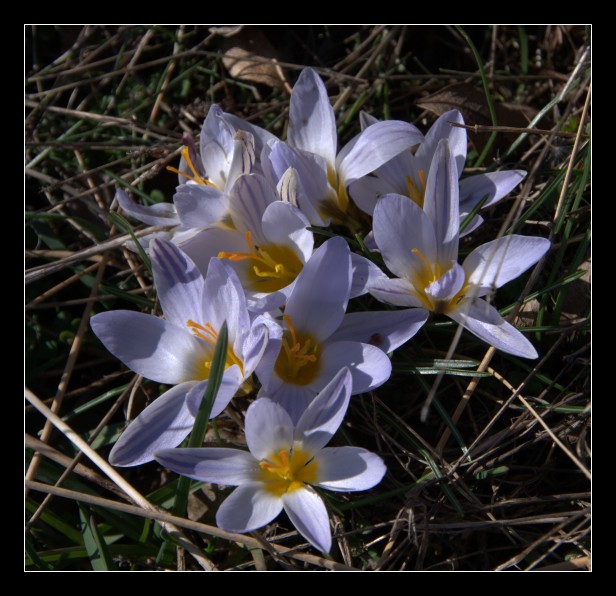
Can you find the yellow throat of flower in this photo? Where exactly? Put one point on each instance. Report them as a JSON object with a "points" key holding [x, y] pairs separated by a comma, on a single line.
{"points": [[299, 360], [423, 278], [269, 268], [287, 470], [416, 194], [210, 335]]}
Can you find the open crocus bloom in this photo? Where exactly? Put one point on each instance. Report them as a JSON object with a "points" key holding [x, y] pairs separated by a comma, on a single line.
{"points": [[406, 174], [267, 245], [285, 461], [179, 349], [227, 149], [324, 173], [420, 246], [226, 153], [319, 339]]}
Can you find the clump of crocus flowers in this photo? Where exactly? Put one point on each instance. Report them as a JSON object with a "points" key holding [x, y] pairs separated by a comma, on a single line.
{"points": [[238, 248]]}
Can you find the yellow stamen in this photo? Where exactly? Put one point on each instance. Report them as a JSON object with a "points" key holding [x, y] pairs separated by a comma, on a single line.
{"points": [[210, 335], [275, 266], [298, 361], [434, 271], [195, 177], [206, 332], [287, 471], [422, 279], [296, 350]]}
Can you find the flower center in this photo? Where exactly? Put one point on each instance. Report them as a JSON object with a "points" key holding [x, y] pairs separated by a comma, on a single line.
{"points": [[298, 361], [338, 185], [287, 470], [269, 268], [428, 274], [195, 174], [417, 194], [210, 335]]}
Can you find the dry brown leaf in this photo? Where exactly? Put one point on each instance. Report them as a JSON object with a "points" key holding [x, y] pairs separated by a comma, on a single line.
{"points": [[527, 316], [249, 56]]}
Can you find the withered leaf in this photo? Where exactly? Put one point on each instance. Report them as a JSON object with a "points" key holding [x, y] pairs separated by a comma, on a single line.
{"points": [[249, 56], [474, 107]]}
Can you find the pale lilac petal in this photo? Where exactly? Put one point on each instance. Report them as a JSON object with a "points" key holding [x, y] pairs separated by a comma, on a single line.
{"points": [[229, 467], [216, 146], [493, 264], [249, 507], [200, 205], [442, 129], [164, 424], [395, 173], [383, 329], [471, 226], [295, 399], [261, 303], [284, 224], [322, 418], [291, 191], [231, 381], [400, 226], [484, 321], [255, 344], [308, 514], [160, 214], [398, 292], [448, 285], [365, 273], [495, 185], [224, 300], [319, 299], [366, 192], [370, 242], [370, 367], [268, 428], [265, 368], [149, 346], [178, 282], [311, 172], [366, 120], [441, 203], [312, 124], [243, 156], [207, 244], [261, 136], [249, 199], [376, 145], [344, 469]]}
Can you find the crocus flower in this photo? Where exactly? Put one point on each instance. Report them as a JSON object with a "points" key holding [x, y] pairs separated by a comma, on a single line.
{"points": [[318, 339], [324, 173], [406, 173], [227, 149], [284, 463], [178, 350], [267, 244], [420, 246], [201, 199]]}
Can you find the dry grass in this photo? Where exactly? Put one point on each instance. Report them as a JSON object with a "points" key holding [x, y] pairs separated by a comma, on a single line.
{"points": [[488, 463]]}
